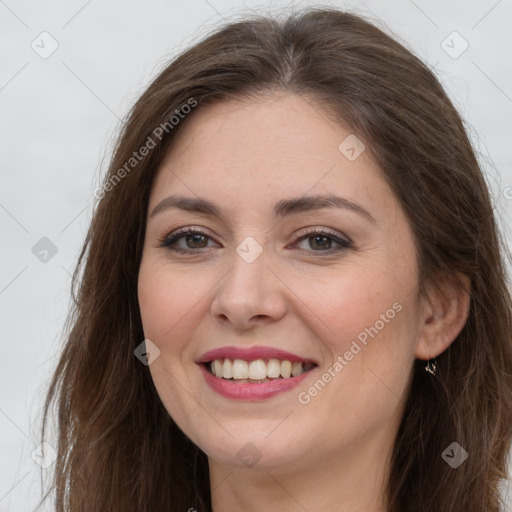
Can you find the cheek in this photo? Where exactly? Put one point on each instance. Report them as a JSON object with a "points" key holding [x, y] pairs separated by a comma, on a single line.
{"points": [[166, 299], [352, 299], [154, 298], [369, 313]]}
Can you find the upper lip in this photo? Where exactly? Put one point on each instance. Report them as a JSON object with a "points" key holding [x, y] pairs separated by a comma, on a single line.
{"points": [[251, 354]]}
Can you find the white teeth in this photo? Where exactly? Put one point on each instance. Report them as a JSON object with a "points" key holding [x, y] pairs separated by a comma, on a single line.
{"points": [[258, 369], [296, 369], [273, 368], [286, 369], [240, 369], [227, 369], [217, 367]]}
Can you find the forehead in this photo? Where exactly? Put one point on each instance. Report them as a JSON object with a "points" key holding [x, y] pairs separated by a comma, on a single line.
{"points": [[267, 147], [253, 126]]}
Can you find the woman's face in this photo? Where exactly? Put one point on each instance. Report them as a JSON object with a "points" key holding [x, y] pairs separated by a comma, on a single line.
{"points": [[277, 275]]}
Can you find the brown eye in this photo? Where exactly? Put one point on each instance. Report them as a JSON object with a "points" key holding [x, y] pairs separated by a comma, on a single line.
{"points": [[192, 240], [322, 241], [195, 241]]}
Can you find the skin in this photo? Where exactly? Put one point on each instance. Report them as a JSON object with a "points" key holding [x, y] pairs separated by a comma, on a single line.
{"points": [[331, 454]]}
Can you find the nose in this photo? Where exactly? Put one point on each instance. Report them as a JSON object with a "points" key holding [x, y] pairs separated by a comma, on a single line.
{"points": [[250, 294]]}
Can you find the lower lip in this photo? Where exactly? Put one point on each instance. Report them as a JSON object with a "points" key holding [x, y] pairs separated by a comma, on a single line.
{"points": [[251, 391]]}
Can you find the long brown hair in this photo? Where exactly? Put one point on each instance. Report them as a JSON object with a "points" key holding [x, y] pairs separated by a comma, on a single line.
{"points": [[118, 449]]}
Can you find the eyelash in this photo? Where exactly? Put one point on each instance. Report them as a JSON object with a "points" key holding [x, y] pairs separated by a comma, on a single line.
{"points": [[171, 239]]}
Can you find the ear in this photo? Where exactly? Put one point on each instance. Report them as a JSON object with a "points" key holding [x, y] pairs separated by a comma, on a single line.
{"points": [[444, 316]]}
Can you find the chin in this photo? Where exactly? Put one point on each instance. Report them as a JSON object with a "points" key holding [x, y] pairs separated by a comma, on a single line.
{"points": [[256, 448]]}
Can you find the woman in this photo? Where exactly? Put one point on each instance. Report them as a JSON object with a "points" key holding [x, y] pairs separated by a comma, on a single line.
{"points": [[293, 293]]}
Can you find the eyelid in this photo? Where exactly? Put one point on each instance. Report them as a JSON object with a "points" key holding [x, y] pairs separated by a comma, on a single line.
{"points": [[180, 233], [325, 231]]}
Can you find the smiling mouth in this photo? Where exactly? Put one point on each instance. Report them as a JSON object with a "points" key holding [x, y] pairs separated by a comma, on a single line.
{"points": [[257, 371]]}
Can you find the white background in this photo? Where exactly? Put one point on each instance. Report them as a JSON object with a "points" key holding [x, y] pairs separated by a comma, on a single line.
{"points": [[59, 117]]}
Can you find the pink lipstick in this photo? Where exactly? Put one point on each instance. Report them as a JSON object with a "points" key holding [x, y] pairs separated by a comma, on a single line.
{"points": [[255, 373]]}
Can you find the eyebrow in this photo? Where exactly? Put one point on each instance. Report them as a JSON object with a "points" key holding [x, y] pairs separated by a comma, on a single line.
{"points": [[282, 208]]}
